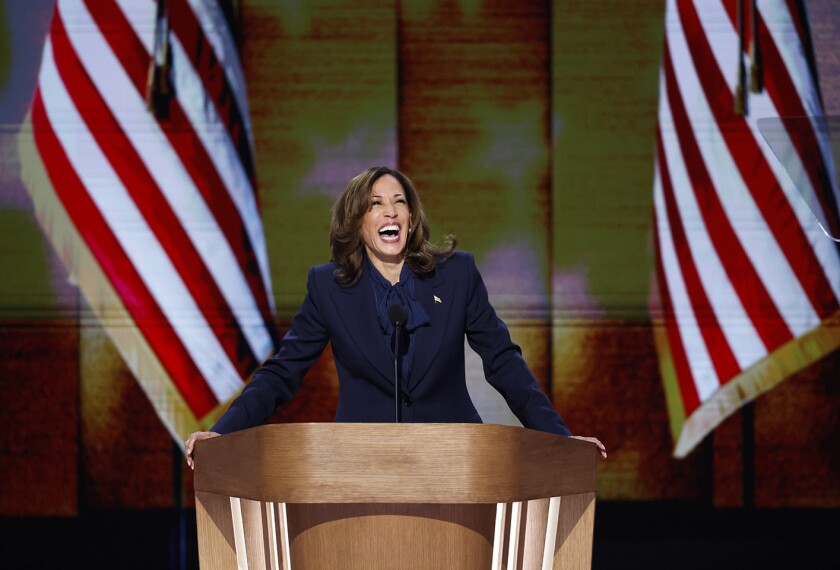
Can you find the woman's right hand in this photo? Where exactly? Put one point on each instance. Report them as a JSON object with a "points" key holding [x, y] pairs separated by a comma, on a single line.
{"points": [[190, 444]]}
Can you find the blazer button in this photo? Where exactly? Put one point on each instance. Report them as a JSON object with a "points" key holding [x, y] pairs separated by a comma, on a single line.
{"points": [[408, 401]]}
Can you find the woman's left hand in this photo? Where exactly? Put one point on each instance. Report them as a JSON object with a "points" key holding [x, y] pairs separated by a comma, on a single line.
{"points": [[594, 440]]}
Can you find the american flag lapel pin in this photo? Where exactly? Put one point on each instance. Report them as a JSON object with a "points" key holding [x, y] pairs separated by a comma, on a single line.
{"points": [[437, 299]]}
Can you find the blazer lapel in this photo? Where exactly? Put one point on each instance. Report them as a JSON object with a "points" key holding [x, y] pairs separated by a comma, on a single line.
{"points": [[357, 310], [432, 292]]}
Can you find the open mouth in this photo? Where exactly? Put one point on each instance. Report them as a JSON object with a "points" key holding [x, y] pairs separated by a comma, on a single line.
{"points": [[390, 233]]}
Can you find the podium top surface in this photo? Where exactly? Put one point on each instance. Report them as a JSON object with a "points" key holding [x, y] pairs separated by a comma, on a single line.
{"points": [[394, 463]]}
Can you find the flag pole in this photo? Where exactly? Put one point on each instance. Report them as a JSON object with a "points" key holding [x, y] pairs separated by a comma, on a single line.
{"points": [[178, 538], [756, 69], [740, 103], [748, 454]]}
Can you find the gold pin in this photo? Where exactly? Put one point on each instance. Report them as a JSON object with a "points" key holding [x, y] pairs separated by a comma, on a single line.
{"points": [[437, 299]]}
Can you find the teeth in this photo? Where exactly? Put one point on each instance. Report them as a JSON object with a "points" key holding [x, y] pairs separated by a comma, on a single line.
{"points": [[389, 228]]}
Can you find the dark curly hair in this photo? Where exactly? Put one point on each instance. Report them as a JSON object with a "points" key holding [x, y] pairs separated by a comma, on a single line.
{"points": [[346, 242]]}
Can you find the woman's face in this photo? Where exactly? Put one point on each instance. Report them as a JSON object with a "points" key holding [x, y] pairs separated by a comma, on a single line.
{"points": [[386, 224]]}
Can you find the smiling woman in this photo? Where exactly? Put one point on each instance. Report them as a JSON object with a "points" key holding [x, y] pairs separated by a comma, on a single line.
{"points": [[386, 226], [382, 257], [376, 198]]}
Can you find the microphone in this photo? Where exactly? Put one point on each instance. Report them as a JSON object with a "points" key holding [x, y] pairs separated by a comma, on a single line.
{"points": [[398, 316]]}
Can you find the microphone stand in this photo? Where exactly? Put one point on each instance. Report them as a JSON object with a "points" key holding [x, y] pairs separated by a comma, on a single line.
{"points": [[398, 316], [397, 380]]}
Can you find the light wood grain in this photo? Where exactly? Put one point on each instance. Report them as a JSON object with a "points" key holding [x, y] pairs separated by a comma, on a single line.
{"points": [[256, 533], [516, 536], [393, 496], [391, 536], [536, 518], [394, 463], [216, 550], [574, 532]]}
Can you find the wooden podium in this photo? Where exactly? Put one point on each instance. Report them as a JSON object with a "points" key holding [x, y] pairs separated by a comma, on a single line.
{"points": [[369, 496]]}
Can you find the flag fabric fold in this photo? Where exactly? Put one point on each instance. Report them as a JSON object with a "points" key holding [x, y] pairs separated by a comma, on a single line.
{"points": [[747, 284], [147, 191]]}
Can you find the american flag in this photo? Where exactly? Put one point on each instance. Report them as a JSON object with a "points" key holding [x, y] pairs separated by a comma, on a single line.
{"points": [[140, 162], [748, 284]]}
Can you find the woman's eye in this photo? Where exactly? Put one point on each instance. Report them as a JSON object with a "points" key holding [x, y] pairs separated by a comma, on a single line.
{"points": [[400, 201]]}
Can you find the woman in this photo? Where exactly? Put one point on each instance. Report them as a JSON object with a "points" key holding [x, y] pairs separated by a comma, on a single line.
{"points": [[382, 257]]}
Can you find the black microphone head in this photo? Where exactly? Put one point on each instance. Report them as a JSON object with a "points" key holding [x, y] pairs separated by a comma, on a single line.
{"points": [[397, 315]]}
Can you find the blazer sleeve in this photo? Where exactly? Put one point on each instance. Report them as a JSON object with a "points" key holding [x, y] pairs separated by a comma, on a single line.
{"points": [[277, 381], [504, 367]]}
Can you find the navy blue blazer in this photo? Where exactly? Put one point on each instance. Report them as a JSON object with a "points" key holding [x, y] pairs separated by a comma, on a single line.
{"points": [[456, 300]]}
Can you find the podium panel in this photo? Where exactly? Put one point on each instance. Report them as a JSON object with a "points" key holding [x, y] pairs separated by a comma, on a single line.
{"points": [[400, 496]]}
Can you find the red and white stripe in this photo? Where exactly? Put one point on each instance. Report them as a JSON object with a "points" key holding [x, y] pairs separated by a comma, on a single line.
{"points": [[742, 266], [167, 206]]}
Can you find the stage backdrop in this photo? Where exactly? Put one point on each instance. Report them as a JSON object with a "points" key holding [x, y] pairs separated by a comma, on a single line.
{"points": [[535, 132]]}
